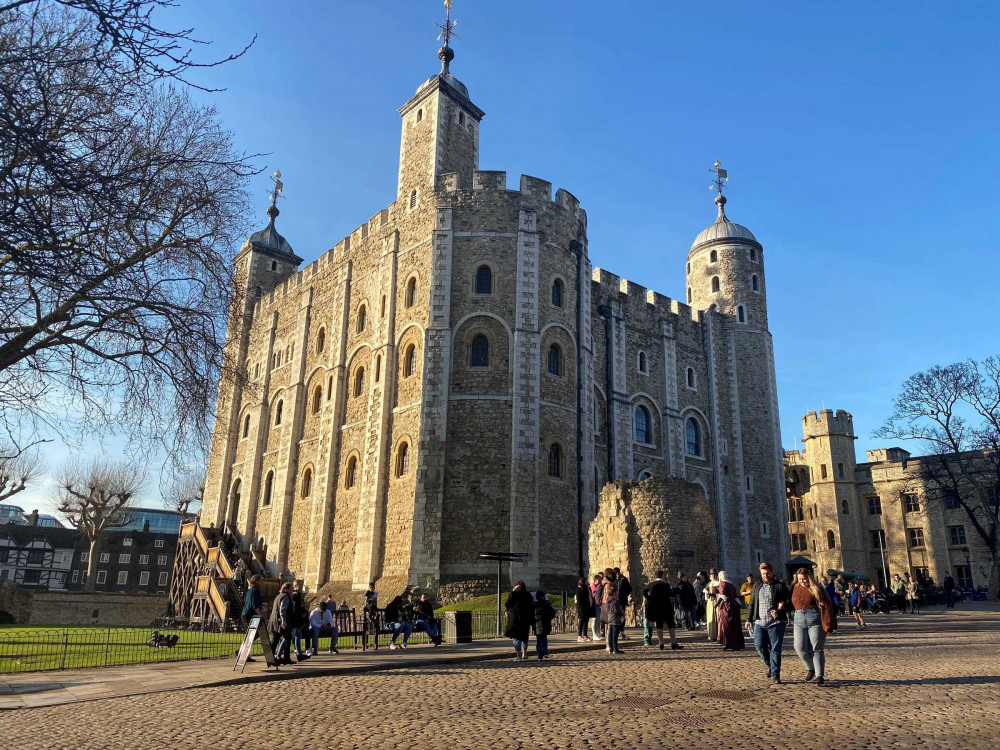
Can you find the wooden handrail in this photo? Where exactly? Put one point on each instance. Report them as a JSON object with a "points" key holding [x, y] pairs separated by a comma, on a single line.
{"points": [[219, 603], [224, 568]]}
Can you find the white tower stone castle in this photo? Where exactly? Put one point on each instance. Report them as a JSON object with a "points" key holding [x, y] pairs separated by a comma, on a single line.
{"points": [[454, 377]]}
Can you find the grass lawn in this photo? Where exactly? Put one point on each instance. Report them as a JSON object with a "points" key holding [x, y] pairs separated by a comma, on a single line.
{"points": [[489, 604]]}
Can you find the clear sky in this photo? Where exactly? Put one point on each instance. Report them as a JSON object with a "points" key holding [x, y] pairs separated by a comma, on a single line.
{"points": [[861, 141]]}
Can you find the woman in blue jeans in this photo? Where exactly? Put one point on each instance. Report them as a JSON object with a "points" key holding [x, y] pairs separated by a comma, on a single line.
{"points": [[809, 599]]}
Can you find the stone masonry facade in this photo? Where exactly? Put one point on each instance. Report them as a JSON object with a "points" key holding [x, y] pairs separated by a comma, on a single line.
{"points": [[454, 377], [880, 517]]}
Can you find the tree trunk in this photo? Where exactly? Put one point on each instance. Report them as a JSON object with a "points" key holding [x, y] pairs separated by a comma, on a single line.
{"points": [[92, 566], [993, 591]]}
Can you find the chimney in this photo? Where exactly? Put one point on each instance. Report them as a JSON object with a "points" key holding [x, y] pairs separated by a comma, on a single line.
{"points": [[145, 525], [33, 518]]}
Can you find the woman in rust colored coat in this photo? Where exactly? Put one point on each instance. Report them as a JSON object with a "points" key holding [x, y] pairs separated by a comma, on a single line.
{"points": [[728, 612]]}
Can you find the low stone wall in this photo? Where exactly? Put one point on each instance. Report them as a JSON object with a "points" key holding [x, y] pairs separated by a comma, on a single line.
{"points": [[656, 524], [79, 608]]}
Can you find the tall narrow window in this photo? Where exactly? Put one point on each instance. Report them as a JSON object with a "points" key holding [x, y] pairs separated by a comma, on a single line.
{"points": [[755, 283], [307, 482], [822, 471], [831, 540], [845, 508], [382, 311], [317, 399], [557, 293], [420, 115], [713, 257], [480, 354], [555, 360], [643, 367], [329, 388], [277, 413], [693, 437], [321, 341], [642, 431], [691, 382], [690, 295], [378, 367], [741, 314], [359, 382], [413, 199], [403, 460], [411, 293], [409, 361], [351, 475], [484, 280], [715, 283], [246, 426], [362, 318], [555, 461], [268, 488]]}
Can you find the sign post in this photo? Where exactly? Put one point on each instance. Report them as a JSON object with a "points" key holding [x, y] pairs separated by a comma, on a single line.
{"points": [[244, 653]]}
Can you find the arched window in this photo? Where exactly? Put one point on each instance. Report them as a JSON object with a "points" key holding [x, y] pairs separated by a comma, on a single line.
{"points": [[378, 367], [411, 293], [693, 437], [256, 371], [831, 540], [277, 413], [413, 199], [741, 314], [715, 283], [307, 482], [555, 360], [557, 293], [644, 475], [234, 502], [753, 254], [643, 434], [409, 361], [362, 318], [268, 489], [317, 399], [321, 341], [845, 508], [690, 295], [643, 366], [420, 115], [480, 353], [689, 269], [555, 461], [484, 280], [402, 460], [713, 257], [351, 474], [359, 382], [755, 283], [691, 382], [461, 119], [246, 426]]}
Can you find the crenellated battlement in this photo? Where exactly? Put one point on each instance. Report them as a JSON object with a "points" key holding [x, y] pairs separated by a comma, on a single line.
{"points": [[534, 188], [827, 422], [632, 294]]}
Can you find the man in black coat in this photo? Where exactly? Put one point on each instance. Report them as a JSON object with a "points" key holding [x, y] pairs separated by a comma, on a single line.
{"points": [[689, 601], [767, 618], [659, 612], [624, 591]]}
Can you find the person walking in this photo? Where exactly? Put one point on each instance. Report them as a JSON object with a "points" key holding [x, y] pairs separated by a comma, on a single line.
{"points": [[689, 600], [584, 608], [949, 590], [253, 603], [857, 600], [520, 617], [898, 589], [913, 595], [544, 615], [700, 581], [624, 590], [728, 611], [711, 619], [811, 602], [658, 612], [767, 618], [840, 588], [280, 625], [611, 612], [300, 619]]}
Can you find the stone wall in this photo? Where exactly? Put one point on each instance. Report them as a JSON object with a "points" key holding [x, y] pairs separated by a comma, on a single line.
{"points": [[78, 608], [656, 524]]}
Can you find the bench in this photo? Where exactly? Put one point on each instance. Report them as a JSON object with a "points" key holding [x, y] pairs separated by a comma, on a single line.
{"points": [[375, 628]]}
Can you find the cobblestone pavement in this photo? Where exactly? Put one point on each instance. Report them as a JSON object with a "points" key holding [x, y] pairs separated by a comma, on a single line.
{"points": [[908, 681]]}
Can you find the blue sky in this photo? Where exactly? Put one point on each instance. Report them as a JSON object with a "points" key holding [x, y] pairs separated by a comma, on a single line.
{"points": [[861, 141]]}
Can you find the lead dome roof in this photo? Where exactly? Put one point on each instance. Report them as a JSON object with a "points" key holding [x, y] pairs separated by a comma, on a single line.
{"points": [[723, 229]]}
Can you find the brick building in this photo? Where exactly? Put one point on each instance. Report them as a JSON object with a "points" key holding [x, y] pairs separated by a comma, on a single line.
{"points": [[454, 377], [130, 562], [880, 517]]}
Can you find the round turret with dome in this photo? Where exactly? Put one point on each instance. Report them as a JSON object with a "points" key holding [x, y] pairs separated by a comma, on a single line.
{"points": [[725, 268]]}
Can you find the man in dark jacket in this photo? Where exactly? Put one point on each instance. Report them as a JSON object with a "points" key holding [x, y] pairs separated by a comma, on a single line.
{"points": [[767, 618], [689, 600], [300, 620], [280, 625], [624, 591], [949, 590], [423, 619], [395, 620], [659, 611]]}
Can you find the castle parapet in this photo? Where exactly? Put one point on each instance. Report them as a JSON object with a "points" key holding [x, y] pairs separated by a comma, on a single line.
{"points": [[827, 422], [487, 180]]}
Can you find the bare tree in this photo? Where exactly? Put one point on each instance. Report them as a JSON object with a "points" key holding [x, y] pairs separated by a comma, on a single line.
{"points": [[96, 497], [18, 468], [186, 490], [121, 201], [954, 412]]}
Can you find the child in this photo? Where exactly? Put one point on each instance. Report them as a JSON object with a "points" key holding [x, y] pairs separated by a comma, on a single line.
{"points": [[544, 614]]}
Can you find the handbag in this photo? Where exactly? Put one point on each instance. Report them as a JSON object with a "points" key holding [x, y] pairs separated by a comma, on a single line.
{"points": [[828, 616]]}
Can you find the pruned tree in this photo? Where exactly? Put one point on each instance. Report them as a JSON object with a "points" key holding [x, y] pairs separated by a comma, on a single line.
{"points": [[954, 413], [121, 201], [18, 468], [185, 491], [96, 497]]}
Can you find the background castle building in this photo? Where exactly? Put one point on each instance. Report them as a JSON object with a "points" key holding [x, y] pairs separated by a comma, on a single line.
{"points": [[879, 517], [454, 377]]}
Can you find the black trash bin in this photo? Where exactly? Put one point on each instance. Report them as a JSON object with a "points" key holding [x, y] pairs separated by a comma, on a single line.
{"points": [[462, 626]]}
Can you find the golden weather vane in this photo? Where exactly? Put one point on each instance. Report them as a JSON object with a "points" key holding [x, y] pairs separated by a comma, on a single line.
{"points": [[448, 27], [721, 178], [278, 189]]}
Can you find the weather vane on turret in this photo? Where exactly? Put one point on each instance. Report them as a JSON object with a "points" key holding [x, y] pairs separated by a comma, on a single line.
{"points": [[446, 53], [721, 177], [276, 192]]}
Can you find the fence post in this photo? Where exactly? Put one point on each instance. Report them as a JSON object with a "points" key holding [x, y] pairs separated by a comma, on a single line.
{"points": [[107, 647], [202, 650], [62, 665]]}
